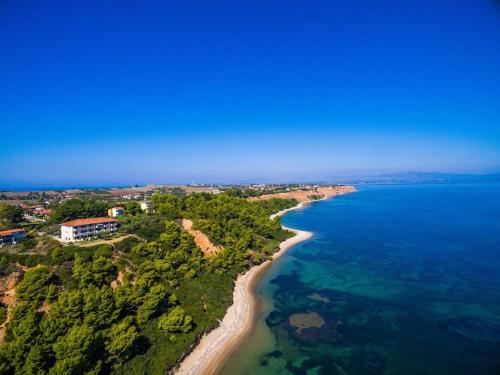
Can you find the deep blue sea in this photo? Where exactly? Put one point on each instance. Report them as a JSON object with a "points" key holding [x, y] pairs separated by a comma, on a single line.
{"points": [[396, 280]]}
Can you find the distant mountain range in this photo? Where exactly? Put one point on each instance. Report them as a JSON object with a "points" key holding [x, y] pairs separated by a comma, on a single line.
{"points": [[422, 178]]}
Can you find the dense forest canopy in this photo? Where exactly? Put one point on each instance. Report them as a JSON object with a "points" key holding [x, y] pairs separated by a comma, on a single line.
{"points": [[78, 209], [10, 215], [134, 307]]}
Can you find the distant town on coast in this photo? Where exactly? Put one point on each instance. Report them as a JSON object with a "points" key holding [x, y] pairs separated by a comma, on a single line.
{"points": [[43, 208]]}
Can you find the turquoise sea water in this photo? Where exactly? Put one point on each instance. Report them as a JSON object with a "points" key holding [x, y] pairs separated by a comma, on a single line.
{"points": [[396, 280]]}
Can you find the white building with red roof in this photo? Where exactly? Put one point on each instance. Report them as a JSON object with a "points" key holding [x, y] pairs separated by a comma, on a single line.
{"points": [[83, 229]]}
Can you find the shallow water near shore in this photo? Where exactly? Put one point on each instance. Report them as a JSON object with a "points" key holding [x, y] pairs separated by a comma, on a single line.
{"points": [[396, 280]]}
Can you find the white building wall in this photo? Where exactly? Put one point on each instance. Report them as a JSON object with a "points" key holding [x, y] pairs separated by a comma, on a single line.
{"points": [[67, 233], [83, 232], [145, 206]]}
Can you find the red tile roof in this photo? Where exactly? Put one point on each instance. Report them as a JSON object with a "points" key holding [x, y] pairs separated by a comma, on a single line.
{"points": [[93, 220], [10, 231], [28, 207]]}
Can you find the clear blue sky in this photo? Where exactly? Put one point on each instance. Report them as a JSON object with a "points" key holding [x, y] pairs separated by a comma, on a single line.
{"points": [[119, 92]]}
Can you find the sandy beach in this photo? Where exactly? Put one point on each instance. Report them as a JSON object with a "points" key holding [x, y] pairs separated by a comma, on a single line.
{"points": [[214, 347]]}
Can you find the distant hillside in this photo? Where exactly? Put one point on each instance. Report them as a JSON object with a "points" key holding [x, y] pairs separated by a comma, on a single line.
{"points": [[423, 177]]}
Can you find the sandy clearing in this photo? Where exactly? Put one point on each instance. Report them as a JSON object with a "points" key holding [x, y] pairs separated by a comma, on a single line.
{"points": [[201, 239]]}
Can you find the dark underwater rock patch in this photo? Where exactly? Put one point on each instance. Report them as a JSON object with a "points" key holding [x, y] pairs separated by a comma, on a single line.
{"points": [[368, 362], [473, 328]]}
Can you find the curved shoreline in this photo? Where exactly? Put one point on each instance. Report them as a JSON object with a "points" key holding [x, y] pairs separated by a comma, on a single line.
{"points": [[215, 346], [218, 344]]}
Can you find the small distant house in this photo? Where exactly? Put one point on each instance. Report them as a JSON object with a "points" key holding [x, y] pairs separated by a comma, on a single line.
{"points": [[82, 229], [36, 212], [11, 236], [28, 207], [146, 206], [127, 196], [116, 211]]}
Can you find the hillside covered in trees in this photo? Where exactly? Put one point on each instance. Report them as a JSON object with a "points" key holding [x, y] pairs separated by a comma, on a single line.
{"points": [[137, 306]]}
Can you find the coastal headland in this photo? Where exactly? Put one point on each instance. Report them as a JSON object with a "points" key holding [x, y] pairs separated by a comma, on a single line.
{"points": [[217, 345]]}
